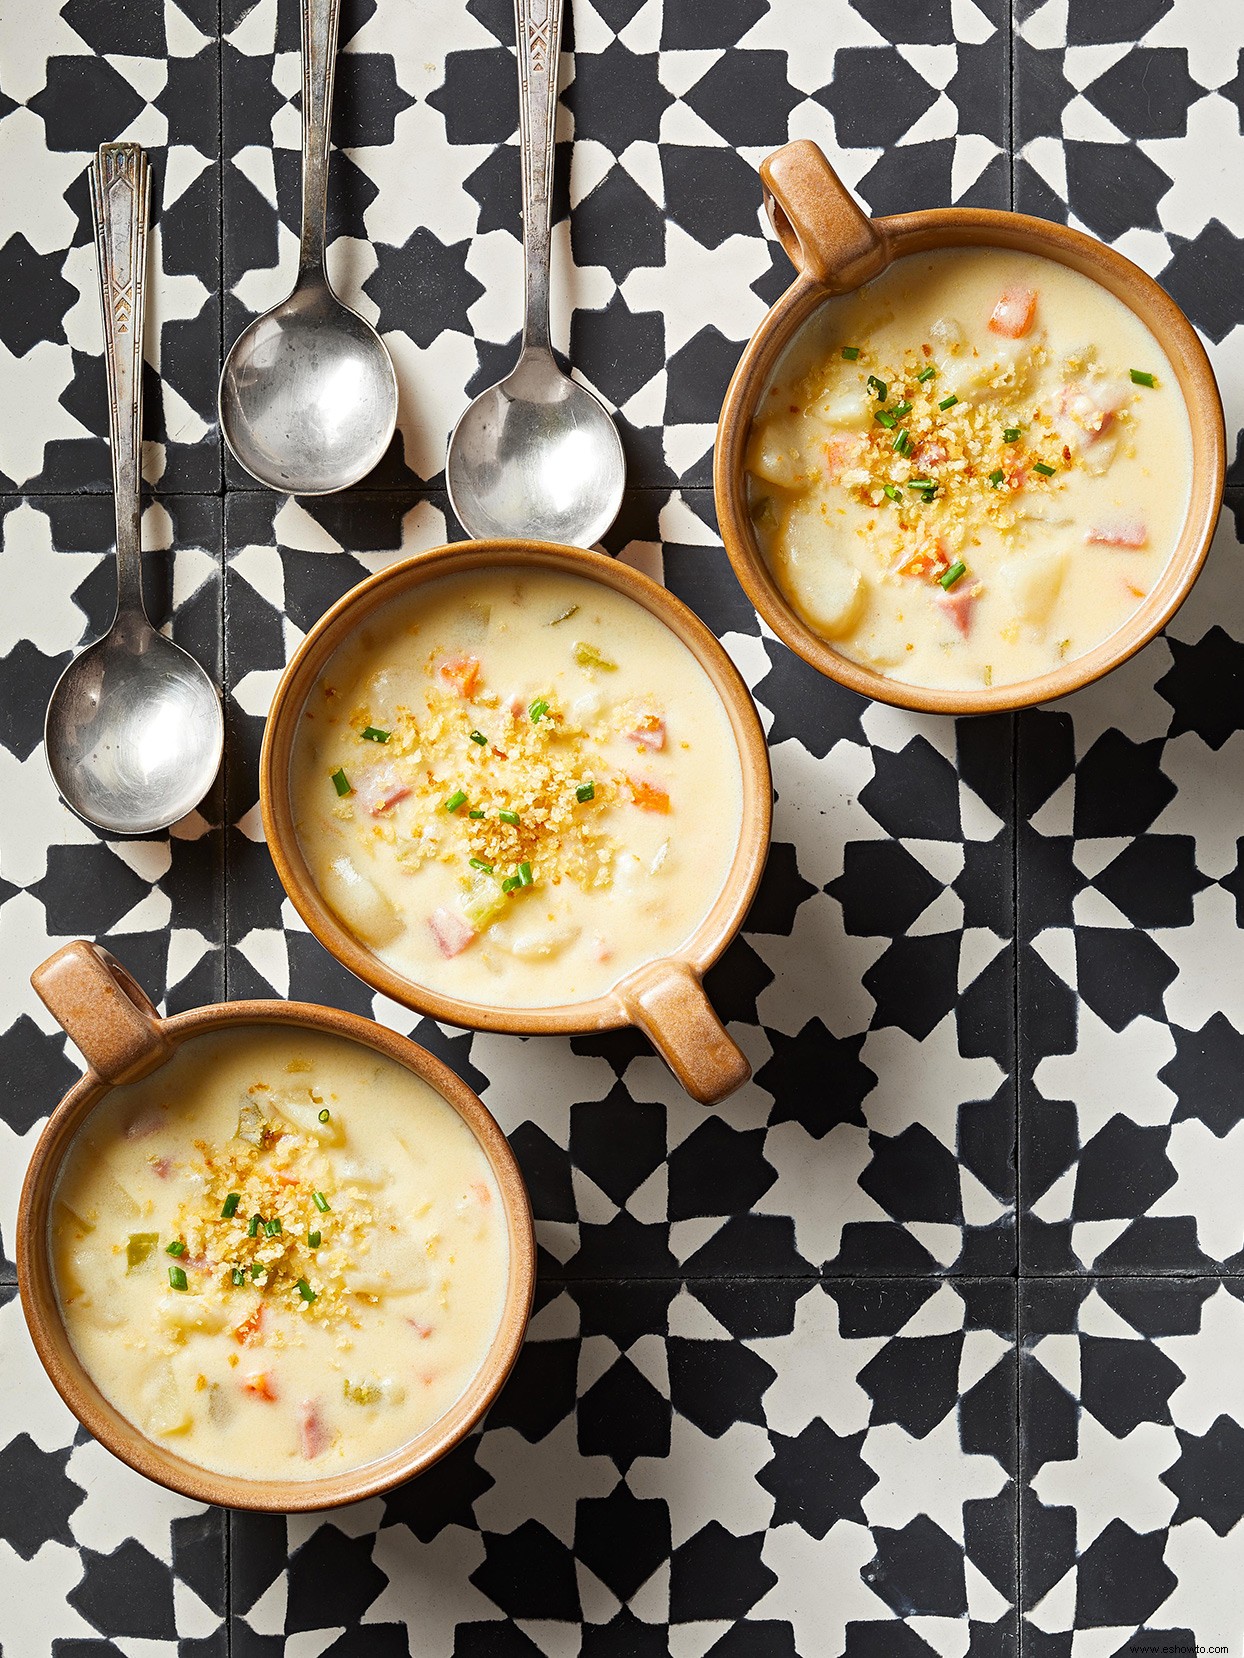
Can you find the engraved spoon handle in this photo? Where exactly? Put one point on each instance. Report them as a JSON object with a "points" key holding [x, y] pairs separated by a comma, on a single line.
{"points": [[121, 199], [539, 28], [320, 19]]}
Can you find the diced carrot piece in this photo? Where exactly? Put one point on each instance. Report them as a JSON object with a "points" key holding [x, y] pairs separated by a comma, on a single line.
{"points": [[958, 606], [647, 796], [648, 731], [451, 931], [251, 1327], [482, 1194], [313, 1437], [462, 672], [1119, 532], [260, 1385], [1012, 315]]}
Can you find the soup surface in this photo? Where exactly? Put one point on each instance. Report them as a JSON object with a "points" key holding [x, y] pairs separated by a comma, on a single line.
{"points": [[970, 470], [517, 786], [282, 1254]]}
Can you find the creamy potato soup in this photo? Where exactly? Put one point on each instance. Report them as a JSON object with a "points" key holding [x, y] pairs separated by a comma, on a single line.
{"points": [[516, 786], [970, 470], [282, 1255]]}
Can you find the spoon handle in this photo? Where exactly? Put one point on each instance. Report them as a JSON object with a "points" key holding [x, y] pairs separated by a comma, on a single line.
{"points": [[121, 199], [320, 19], [539, 27]]}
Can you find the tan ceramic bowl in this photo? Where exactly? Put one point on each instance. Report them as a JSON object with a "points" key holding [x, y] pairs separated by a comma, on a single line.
{"points": [[835, 248], [665, 997], [123, 1038]]}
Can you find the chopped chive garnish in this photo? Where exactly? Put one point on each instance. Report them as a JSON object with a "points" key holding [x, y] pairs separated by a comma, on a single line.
{"points": [[878, 388], [851, 352], [884, 418], [175, 1248], [341, 782], [948, 578], [902, 443], [893, 491], [253, 1225], [313, 1240], [475, 812], [510, 882], [320, 1201], [1043, 469], [902, 410], [258, 1269], [926, 374], [478, 863], [538, 710], [238, 1277], [273, 1227], [479, 737], [231, 1206], [926, 488], [996, 476], [585, 791], [325, 1115], [456, 799], [1140, 378], [524, 874], [176, 1278], [565, 615], [948, 402], [305, 1291], [511, 818], [373, 734], [1011, 434]]}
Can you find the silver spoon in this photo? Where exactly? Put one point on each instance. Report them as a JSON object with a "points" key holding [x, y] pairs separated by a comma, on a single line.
{"points": [[537, 455], [308, 396], [134, 730]]}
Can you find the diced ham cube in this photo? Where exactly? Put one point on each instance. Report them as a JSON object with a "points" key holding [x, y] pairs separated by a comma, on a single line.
{"points": [[162, 1166], [648, 796], [648, 731], [423, 1331], [602, 950], [1093, 414], [452, 932], [1119, 532], [380, 789], [1012, 315], [462, 672], [930, 452], [313, 1437], [842, 450], [481, 1193], [958, 606], [146, 1122]]}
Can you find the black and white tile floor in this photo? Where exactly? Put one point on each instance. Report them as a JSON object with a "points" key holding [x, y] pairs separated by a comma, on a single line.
{"points": [[804, 1378]]}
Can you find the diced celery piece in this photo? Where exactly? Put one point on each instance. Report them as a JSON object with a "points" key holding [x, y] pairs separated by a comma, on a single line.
{"points": [[483, 902], [587, 656], [361, 1393], [250, 1123], [139, 1247]]}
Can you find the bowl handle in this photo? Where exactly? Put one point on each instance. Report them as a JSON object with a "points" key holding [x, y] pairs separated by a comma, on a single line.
{"points": [[104, 1010], [667, 1001], [817, 220]]}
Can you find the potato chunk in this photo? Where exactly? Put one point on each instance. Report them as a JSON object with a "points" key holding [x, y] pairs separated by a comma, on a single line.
{"points": [[366, 911]]}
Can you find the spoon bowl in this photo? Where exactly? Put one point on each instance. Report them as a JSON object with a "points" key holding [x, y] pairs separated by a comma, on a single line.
{"points": [[536, 457], [308, 396], [134, 731]]}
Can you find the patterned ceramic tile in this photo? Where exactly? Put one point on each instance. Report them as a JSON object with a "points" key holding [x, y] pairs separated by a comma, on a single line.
{"points": [[1132, 1455], [75, 75]]}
